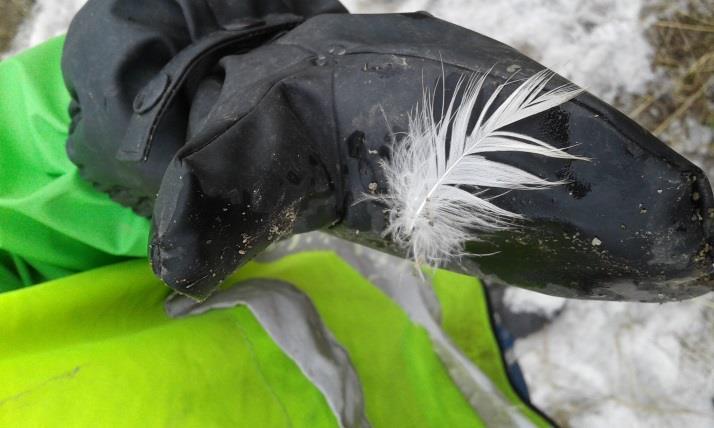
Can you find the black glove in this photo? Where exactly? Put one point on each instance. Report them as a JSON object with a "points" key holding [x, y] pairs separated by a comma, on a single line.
{"points": [[122, 57], [282, 131]]}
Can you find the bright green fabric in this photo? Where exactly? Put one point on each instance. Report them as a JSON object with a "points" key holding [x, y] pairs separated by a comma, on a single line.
{"points": [[51, 222]]}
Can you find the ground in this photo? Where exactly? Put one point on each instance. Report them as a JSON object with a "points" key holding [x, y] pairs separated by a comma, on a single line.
{"points": [[594, 363], [12, 14]]}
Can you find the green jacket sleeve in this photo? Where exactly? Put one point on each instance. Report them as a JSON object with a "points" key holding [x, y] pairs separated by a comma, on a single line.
{"points": [[44, 234]]}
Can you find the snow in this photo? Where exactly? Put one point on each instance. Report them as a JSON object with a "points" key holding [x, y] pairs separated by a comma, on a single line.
{"points": [[525, 301], [597, 363], [624, 364]]}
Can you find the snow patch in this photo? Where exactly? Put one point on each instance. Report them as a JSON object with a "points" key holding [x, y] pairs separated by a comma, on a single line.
{"points": [[646, 365], [520, 300]]}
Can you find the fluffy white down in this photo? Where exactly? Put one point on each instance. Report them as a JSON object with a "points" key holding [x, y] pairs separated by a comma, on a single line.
{"points": [[434, 198]]}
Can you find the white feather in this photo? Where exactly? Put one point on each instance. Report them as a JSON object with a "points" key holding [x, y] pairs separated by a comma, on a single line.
{"points": [[430, 214]]}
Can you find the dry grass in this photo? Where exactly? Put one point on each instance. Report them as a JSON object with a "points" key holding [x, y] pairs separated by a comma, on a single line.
{"points": [[12, 13], [684, 43]]}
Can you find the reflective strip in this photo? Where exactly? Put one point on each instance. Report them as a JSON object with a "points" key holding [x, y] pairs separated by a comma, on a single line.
{"points": [[397, 279], [292, 321]]}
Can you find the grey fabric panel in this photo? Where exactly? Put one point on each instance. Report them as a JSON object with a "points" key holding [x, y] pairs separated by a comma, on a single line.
{"points": [[292, 321], [400, 280]]}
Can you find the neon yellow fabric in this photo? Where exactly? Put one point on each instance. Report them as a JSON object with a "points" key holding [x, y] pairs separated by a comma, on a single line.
{"points": [[52, 223], [109, 356], [465, 318], [97, 350], [405, 383]]}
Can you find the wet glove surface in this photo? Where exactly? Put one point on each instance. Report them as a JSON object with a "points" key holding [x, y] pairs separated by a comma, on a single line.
{"points": [[121, 58], [288, 136]]}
